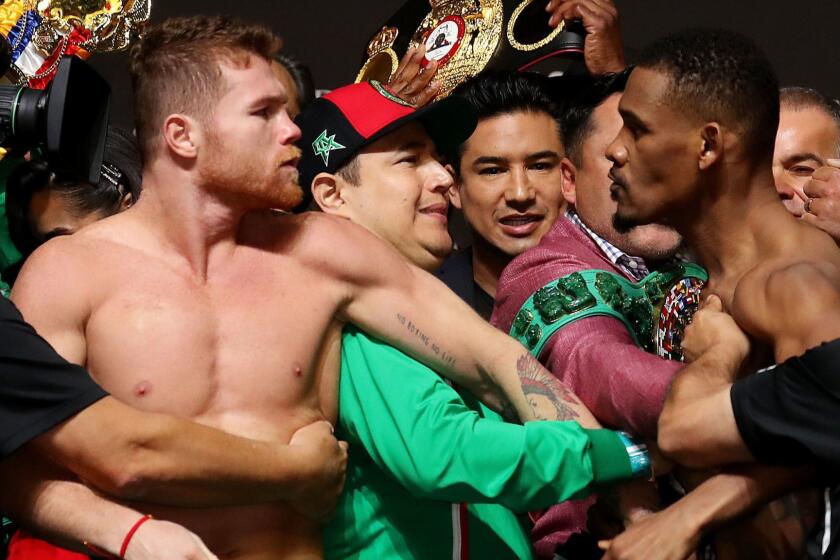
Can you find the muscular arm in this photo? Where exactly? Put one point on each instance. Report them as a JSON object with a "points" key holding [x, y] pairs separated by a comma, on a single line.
{"points": [[675, 533], [412, 310], [163, 459], [69, 513], [697, 427]]}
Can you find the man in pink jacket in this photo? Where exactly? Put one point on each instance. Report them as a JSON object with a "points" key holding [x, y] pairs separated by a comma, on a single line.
{"points": [[620, 382]]}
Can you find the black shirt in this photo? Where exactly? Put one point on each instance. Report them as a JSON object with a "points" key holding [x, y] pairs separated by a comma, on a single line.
{"points": [[788, 415], [38, 388], [457, 273]]}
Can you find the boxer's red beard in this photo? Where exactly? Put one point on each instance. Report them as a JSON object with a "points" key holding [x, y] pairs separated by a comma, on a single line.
{"points": [[263, 186]]}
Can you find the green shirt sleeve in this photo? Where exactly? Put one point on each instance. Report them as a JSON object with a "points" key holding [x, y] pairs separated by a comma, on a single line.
{"points": [[419, 430]]}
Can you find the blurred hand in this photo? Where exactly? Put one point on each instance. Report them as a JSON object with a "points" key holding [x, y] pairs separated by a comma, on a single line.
{"points": [[711, 328], [412, 82], [823, 191], [667, 535], [326, 457], [162, 540], [603, 51]]}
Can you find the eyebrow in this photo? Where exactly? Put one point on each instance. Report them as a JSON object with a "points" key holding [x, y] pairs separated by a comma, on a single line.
{"points": [[274, 98], [805, 156], [543, 155], [496, 160], [631, 118], [411, 145]]}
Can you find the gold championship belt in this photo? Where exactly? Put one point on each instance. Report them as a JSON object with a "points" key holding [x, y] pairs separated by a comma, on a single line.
{"points": [[40, 32], [468, 36]]}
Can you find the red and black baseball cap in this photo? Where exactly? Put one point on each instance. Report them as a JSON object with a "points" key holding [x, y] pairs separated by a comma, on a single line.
{"points": [[336, 126]]}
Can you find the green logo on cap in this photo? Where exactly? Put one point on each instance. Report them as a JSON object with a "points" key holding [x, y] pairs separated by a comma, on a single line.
{"points": [[324, 144]]}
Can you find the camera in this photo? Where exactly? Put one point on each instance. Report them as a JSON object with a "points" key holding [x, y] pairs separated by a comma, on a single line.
{"points": [[67, 120]]}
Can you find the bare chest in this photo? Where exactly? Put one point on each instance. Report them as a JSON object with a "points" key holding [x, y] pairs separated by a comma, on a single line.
{"points": [[238, 351]]}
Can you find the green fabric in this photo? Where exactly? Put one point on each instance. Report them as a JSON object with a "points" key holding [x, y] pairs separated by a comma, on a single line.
{"points": [[607, 448], [597, 292], [9, 254], [417, 446]]}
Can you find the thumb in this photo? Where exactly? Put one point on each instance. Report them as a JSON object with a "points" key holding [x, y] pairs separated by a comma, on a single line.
{"points": [[604, 545], [833, 162], [344, 445], [712, 303]]}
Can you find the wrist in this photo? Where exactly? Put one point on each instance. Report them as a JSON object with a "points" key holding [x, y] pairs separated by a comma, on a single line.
{"points": [[729, 356], [640, 463], [107, 537]]}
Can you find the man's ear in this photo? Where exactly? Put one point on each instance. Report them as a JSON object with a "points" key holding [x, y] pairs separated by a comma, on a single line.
{"points": [[568, 172], [711, 145], [327, 191], [180, 133], [454, 192], [127, 201]]}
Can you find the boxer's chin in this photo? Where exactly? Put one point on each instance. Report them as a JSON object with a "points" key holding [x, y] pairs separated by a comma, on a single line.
{"points": [[290, 196], [624, 223]]}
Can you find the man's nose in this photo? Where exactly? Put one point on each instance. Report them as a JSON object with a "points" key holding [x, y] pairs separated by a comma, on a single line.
{"points": [[616, 152], [440, 179], [290, 131], [520, 189]]}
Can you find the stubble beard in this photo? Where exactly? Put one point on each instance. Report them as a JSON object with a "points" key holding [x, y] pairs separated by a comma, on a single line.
{"points": [[242, 180], [624, 224]]}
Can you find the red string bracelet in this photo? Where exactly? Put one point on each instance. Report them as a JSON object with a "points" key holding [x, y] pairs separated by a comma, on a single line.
{"points": [[130, 534]]}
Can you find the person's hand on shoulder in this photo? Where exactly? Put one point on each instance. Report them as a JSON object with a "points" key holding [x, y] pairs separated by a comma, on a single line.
{"points": [[714, 330], [603, 51], [822, 202], [162, 540], [326, 460], [413, 81]]}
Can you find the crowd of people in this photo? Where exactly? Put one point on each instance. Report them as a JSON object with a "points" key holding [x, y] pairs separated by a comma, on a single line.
{"points": [[254, 339]]}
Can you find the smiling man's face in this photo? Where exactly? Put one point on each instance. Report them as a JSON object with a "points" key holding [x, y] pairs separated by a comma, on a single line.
{"points": [[510, 183], [401, 195]]}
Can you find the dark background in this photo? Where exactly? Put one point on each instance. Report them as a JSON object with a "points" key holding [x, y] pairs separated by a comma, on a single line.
{"points": [[801, 38]]}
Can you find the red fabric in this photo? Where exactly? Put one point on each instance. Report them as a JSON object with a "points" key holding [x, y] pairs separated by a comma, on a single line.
{"points": [[78, 35], [24, 546], [620, 383], [367, 110], [465, 531]]}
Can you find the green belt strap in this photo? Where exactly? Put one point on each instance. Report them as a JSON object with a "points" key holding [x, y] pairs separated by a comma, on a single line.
{"points": [[597, 292]]}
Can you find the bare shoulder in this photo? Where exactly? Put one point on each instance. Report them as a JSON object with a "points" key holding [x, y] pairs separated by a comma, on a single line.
{"points": [[790, 302], [68, 265], [331, 244]]}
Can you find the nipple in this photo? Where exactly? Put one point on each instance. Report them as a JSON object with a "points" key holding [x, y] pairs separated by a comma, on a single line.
{"points": [[297, 369], [142, 389]]}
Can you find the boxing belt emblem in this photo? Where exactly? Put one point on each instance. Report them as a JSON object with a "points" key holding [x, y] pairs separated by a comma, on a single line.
{"points": [[466, 37], [654, 310]]}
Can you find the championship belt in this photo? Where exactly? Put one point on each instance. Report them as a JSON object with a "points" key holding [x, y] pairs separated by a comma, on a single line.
{"points": [[655, 310], [468, 36], [40, 32]]}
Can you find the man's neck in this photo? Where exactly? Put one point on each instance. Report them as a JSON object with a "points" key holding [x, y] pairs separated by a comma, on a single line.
{"points": [[188, 220], [730, 232], [488, 263]]}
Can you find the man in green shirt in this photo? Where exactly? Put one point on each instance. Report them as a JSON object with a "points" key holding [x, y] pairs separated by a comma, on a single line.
{"points": [[432, 473]]}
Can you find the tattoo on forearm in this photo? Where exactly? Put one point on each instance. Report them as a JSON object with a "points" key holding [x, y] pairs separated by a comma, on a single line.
{"points": [[424, 339], [539, 386]]}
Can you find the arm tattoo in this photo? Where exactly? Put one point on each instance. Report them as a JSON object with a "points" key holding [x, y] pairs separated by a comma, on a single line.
{"points": [[539, 385], [424, 339]]}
